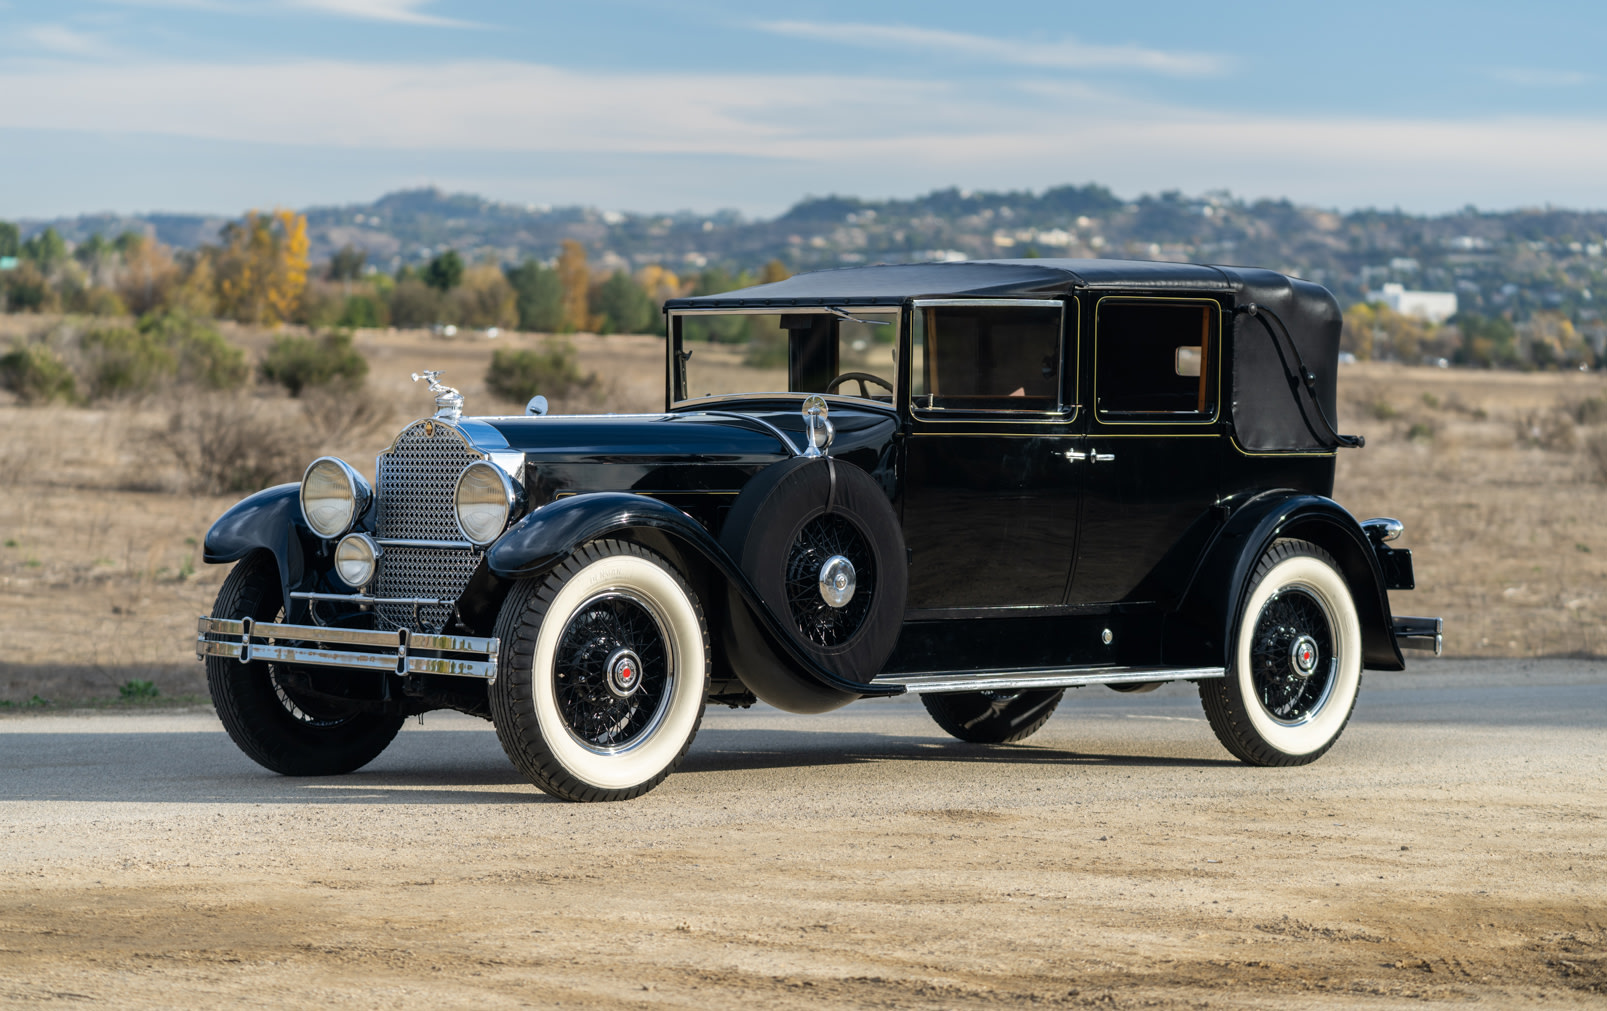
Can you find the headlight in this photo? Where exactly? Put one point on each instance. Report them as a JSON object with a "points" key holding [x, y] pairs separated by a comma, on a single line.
{"points": [[333, 496], [355, 557], [485, 499]]}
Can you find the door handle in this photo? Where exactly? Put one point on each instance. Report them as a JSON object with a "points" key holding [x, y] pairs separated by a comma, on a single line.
{"points": [[1075, 456], [1103, 457]]}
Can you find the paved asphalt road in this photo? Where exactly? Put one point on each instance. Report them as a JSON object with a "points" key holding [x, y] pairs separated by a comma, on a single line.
{"points": [[185, 757], [1448, 849]]}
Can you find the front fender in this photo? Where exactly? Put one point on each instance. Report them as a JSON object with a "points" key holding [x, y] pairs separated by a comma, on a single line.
{"points": [[1201, 631], [268, 520], [548, 535]]}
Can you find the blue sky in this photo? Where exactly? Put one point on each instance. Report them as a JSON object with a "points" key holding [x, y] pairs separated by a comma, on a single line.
{"points": [[220, 105]]}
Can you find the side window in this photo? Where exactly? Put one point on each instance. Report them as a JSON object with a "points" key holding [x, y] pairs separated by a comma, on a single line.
{"points": [[1155, 360], [986, 358]]}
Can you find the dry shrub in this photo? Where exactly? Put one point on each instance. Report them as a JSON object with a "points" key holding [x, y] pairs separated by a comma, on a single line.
{"points": [[1596, 456], [1553, 430], [338, 414], [225, 443]]}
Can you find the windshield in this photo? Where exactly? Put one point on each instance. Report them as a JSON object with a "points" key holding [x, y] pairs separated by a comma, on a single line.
{"points": [[809, 351]]}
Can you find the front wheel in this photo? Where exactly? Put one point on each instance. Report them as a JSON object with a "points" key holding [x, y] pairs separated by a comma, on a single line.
{"points": [[1296, 661], [276, 726], [604, 667]]}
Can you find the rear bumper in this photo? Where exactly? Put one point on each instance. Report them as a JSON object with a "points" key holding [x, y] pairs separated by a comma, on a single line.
{"points": [[399, 652], [1420, 633]]}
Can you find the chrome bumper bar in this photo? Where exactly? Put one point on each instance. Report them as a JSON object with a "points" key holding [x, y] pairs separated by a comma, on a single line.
{"points": [[1420, 633], [399, 652]]}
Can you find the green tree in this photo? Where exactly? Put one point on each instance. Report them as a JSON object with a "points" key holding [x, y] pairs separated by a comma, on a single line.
{"points": [[414, 303], [539, 297], [623, 305], [551, 372], [445, 272], [347, 264], [10, 239], [45, 250]]}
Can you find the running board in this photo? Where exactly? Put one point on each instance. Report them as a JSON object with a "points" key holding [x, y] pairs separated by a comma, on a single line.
{"points": [[1044, 677]]}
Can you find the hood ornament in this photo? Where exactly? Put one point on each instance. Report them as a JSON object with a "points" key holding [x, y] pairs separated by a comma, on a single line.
{"points": [[448, 402]]}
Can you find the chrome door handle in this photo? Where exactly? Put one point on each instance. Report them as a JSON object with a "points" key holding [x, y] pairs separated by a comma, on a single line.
{"points": [[1075, 456], [1103, 457]]}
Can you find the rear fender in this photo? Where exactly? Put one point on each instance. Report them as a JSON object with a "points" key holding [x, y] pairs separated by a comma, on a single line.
{"points": [[551, 533], [1200, 632], [268, 520]]}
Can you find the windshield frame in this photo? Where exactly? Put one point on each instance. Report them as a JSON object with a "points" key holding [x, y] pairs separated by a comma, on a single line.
{"points": [[672, 375]]}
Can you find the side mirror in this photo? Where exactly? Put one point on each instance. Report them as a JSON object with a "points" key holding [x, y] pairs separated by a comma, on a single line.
{"points": [[537, 405]]}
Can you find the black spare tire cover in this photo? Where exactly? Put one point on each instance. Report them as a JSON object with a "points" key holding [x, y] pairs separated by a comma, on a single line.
{"points": [[787, 522]]}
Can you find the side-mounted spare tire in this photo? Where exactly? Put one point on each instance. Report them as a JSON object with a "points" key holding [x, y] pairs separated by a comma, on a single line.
{"points": [[792, 527]]}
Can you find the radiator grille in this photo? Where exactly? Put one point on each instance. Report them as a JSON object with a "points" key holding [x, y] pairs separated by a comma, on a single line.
{"points": [[416, 480]]}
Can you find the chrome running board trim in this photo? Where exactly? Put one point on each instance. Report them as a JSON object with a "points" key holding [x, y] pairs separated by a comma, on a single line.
{"points": [[1420, 633], [247, 640], [1044, 677]]}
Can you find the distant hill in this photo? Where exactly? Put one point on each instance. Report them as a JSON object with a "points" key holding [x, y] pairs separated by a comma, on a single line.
{"points": [[1513, 262]]}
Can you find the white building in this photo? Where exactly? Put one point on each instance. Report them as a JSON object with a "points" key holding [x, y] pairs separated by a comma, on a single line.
{"points": [[1433, 306]]}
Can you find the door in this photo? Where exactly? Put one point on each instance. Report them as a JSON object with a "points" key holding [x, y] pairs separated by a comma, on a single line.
{"points": [[991, 484], [1154, 439]]}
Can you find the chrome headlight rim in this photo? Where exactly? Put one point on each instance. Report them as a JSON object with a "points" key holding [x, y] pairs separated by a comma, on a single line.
{"points": [[358, 496], [509, 498], [357, 547]]}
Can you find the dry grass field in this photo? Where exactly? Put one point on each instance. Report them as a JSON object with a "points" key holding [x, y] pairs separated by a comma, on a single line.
{"points": [[1498, 477]]}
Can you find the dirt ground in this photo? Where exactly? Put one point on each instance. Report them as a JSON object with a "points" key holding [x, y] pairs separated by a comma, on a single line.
{"points": [[100, 576], [1448, 851]]}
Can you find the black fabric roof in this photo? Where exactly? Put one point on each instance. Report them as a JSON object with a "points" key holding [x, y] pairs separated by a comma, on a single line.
{"points": [[890, 284]]}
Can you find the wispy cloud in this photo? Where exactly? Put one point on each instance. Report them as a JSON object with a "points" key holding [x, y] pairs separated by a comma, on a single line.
{"points": [[60, 40], [404, 12], [1063, 54], [1541, 77], [761, 137]]}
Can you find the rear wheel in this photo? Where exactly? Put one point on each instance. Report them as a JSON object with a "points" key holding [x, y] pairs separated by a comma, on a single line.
{"points": [[1296, 661], [993, 717], [604, 667], [274, 725]]}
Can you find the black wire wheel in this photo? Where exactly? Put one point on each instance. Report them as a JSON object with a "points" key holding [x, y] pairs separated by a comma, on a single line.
{"points": [[812, 561], [993, 717], [277, 727], [1296, 663], [602, 675]]}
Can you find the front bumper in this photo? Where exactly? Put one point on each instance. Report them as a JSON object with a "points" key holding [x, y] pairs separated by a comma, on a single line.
{"points": [[399, 652]]}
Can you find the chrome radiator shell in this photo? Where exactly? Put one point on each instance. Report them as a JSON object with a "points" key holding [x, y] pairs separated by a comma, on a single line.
{"points": [[416, 479]]}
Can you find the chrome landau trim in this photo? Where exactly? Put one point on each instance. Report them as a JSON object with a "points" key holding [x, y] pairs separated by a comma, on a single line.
{"points": [[246, 640], [1044, 677]]}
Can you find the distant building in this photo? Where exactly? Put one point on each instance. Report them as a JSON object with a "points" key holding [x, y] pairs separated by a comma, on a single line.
{"points": [[1433, 306]]}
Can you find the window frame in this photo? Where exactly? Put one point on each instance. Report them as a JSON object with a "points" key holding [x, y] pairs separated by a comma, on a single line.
{"points": [[1065, 411], [1210, 363], [673, 342]]}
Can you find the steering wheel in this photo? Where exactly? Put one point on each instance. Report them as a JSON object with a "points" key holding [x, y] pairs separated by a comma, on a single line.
{"points": [[861, 378]]}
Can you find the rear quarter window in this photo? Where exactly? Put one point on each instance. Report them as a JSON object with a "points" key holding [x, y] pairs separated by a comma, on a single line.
{"points": [[1156, 359]]}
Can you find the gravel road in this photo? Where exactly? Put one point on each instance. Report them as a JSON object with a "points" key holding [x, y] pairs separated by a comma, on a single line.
{"points": [[1450, 848]]}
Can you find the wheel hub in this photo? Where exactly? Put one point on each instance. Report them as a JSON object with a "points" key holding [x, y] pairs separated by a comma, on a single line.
{"points": [[624, 673], [1303, 656], [837, 579]]}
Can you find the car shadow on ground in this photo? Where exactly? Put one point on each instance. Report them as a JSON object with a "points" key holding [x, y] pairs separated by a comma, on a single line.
{"points": [[450, 766]]}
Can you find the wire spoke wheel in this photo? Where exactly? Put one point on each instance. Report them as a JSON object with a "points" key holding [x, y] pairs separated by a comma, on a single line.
{"points": [[1296, 660], [1292, 656], [825, 537], [613, 671]]}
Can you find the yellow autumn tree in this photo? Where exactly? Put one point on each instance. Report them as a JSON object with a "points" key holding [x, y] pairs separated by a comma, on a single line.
{"points": [[659, 282], [262, 268], [774, 271], [575, 276]]}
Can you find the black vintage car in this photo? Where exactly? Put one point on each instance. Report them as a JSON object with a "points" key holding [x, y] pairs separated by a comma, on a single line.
{"points": [[983, 482]]}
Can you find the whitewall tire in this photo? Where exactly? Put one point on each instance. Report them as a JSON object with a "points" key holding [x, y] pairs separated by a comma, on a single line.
{"points": [[1297, 661], [603, 672]]}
